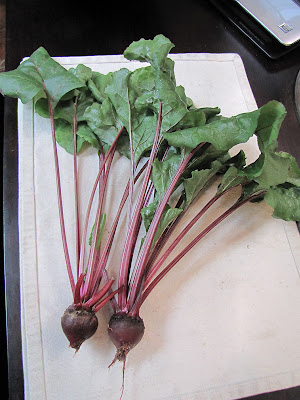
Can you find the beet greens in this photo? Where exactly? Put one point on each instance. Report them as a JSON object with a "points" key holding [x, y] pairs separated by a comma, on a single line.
{"points": [[176, 150]]}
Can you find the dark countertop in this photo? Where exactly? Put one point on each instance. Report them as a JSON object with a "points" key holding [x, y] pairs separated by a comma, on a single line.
{"points": [[65, 29]]}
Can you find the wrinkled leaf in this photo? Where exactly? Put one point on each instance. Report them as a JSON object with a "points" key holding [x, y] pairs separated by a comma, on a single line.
{"points": [[152, 51], [98, 83], [210, 112], [269, 122], [222, 134], [194, 185], [118, 93], [143, 135], [294, 171], [273, 168], [103, 121], [82, 72], [232, 178], [163, 173], [203, 159], [285, 202], [191, 119], [141, 81], [173, 108]]}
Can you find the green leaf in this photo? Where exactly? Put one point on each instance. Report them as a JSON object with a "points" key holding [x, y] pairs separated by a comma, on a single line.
{"points": [[147, 101], [222, 134], [210, 112], [65, 109], [180, 90], [103, 121], [21, 84], [294, 171], [136, 111], [273, 168], [64, 136], [84, 132], [143, 135], [141, 81], [153, 51], [203, 159], [98, 83], [285, 202], [231, 178], [169, 215], [173, 107], [239, 160], [100, 231], [269, 122], [118, 93], [41, 107], [102, 115], [163, 173], [38, 74], [249, 188], [254, 169], [191, 119], [82, 72], [160, 80], [148, 213], [84, 100], [199, 178]]}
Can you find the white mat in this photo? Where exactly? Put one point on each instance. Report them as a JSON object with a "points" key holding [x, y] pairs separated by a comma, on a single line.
{"points": [[224, 324]]}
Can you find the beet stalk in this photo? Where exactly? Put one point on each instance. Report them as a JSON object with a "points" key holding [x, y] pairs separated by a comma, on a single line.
{"points": [[79, 321]]}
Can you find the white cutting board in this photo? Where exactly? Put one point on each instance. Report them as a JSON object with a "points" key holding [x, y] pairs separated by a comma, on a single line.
{"points": [[223, 324]]}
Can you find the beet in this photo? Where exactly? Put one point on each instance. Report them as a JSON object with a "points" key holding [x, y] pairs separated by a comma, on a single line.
{"points": [[125, 332], [78, 324]]}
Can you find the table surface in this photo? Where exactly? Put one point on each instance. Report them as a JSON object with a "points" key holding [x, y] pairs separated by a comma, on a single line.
{"points": [[70, 29]]}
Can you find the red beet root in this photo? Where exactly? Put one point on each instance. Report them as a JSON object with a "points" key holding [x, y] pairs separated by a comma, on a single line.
{"points": [[78, 324], [125, 332]]}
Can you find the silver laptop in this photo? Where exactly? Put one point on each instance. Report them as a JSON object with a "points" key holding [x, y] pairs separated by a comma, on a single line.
{"points": [[280, 17]]}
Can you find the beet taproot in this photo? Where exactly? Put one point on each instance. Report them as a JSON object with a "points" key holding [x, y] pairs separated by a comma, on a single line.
{"points": [[125, 332], [78, 324]]}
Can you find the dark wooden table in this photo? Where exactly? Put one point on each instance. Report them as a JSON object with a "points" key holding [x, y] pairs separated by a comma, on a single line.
{"points": [[85, 28]]}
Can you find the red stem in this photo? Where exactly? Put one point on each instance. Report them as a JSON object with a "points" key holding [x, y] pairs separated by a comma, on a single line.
{"points": [[153, 227], [76, 187], [161, 241], [59, 198], [166, 254], [132, 170], [107, 299], [77, 297], [113, 300], [101, 265], [200, 236], [83, 240], [96, 228], [91, 274], [134, 223], [98, 296]]}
